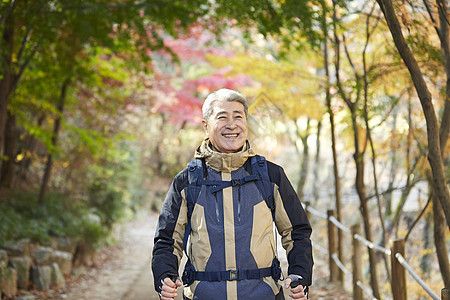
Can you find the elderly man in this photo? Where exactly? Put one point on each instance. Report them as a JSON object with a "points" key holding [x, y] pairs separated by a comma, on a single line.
{"points": [[225, 203]]}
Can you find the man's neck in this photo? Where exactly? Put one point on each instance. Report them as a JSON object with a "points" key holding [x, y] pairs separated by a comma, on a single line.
{"points": [[215, 149]]}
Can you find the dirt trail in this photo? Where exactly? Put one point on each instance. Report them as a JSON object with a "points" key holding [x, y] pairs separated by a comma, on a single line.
{"points": [[122, 272], [119, 272]]}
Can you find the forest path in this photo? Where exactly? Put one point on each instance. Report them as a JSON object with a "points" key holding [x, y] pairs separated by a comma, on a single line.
{"points": [[122, 271]]}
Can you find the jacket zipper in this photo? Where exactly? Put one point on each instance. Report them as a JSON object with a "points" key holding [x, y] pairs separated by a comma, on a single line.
{"points": [[217, 208], [239, 204]]}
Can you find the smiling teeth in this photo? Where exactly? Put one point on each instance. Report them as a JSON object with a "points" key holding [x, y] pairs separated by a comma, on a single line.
{"points": [[231, 135]]}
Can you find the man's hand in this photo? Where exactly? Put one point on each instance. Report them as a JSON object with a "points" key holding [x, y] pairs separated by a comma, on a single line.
{"points": [[169, 289], [296, 292]]}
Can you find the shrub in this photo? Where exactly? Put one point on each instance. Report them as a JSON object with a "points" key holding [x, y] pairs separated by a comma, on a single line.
{"points": [[59, 216], [108, 202]]}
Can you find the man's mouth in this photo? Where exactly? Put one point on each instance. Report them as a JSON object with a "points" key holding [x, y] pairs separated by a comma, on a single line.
{"points": [[230, 135]]}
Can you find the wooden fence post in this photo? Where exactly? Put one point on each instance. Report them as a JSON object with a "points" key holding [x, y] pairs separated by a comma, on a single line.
{"points": [[445, 294], [398, 271], [356, 264], [308, 214], [332, 247]]}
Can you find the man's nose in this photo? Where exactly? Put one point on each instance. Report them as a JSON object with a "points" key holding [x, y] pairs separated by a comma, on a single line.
{"points": [[231, 123]]}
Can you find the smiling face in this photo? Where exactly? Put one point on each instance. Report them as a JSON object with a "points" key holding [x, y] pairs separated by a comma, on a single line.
{"points": [[227, 126]]}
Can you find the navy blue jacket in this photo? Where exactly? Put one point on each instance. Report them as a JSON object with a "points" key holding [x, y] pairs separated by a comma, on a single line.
{"points": [[232, 230]]}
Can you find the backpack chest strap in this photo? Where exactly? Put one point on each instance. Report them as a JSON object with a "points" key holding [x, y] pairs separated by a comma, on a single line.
{"points": [[218, 185]]}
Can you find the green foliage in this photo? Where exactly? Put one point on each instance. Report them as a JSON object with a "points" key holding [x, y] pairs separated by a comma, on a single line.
{"points": [[95, 142], [60, 216], [108, 202], [290, 19], [92, 233]]}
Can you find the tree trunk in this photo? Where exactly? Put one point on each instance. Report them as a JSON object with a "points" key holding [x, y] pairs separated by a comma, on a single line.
{"points": [[337, 180], [304, 169], [7, 81], [375, 180], [439, 241], [439, 217], [361, 190], [180, 159], [358, 157], [317, 183], [157, 155], [27, 149], [7, 170], [45, 179], [56, 127], [425, 261], [393, 159], [434, 149], [445, 47]]}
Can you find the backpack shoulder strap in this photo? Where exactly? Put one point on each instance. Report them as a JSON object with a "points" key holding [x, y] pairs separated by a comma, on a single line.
{"points": [[260, 175], [195, 179], [259, 167]]}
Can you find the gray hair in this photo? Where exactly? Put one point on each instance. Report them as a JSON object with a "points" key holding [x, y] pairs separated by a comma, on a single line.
{"points": [[222, 95]]}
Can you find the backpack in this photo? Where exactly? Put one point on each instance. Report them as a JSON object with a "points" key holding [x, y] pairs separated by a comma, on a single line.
{"points": [[197, 174]]}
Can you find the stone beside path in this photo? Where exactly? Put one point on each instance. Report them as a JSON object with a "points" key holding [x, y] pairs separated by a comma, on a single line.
{"points": [[122, 272], [119, 272], [24, 265]]}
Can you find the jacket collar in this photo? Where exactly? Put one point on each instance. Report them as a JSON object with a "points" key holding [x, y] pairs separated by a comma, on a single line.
{"points": [[223, 162]]}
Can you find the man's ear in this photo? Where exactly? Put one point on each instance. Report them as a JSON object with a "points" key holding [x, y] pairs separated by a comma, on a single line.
{"points": [[205, 126]]}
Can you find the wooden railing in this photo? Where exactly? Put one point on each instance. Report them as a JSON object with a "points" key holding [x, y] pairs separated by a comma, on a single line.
{"points": [[337, 268]]}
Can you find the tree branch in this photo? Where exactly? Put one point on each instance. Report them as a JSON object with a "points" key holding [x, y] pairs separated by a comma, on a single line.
{"points": [[419, 216], [24, 43], [11, 7], [22, 68], [433, 20], [349, 58]]}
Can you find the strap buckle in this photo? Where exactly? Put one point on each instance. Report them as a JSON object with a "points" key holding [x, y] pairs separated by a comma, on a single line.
{"points": [[235, 182], [232, 275]]}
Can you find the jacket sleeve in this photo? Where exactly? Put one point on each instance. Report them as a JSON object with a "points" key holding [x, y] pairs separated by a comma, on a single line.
{"points": [[168, 242], [292, 224]]}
